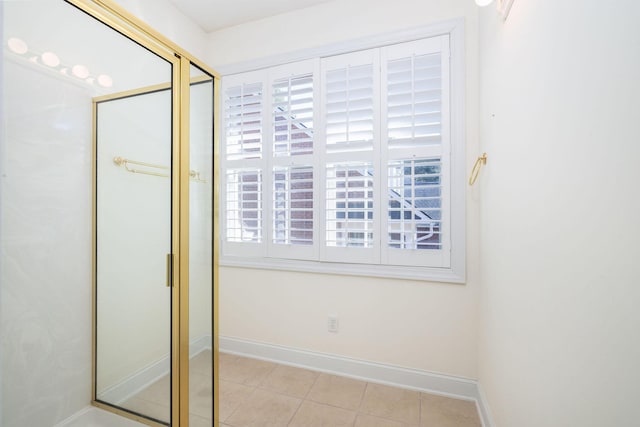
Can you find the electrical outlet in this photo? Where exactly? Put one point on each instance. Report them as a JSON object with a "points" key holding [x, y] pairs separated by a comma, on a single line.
{"points": [[332, 323]]}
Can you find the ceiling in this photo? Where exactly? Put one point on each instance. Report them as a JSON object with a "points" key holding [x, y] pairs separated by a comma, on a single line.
{"points": [[212, 15]]}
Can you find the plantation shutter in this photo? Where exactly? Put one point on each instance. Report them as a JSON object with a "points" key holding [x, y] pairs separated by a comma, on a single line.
{"points": [[416, 146], [345, 159]]}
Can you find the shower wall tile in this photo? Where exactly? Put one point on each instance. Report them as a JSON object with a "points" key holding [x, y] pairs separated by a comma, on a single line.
{"points": [[45, 249]]}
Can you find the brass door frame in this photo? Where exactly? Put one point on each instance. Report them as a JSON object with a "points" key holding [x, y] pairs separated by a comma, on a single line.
{"points": [[120, 20]]}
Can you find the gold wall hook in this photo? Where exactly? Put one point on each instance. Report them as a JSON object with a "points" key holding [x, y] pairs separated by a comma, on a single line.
{"points": [[482, 160]]}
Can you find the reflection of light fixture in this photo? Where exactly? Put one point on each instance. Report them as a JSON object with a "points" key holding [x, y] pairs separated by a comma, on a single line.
{"points": [[18, 46], [503, 6], [80, 71], [50, 59], [105, 81]]}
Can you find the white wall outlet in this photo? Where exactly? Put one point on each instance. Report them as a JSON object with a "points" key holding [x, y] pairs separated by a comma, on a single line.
{"points": [[332, 323]]}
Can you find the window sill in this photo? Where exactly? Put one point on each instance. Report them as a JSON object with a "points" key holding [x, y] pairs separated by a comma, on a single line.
{"points": [[426, 274]]}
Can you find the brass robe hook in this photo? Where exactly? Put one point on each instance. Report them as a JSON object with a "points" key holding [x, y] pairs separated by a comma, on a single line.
{"points": [[482, 160]]}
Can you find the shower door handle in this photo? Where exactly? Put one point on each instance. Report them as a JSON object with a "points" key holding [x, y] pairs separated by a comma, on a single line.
{"points": [[169, 269]]}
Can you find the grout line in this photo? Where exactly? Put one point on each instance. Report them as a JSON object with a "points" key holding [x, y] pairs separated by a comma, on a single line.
{"points": [[364, 392], [306, 396], [296, 412]]}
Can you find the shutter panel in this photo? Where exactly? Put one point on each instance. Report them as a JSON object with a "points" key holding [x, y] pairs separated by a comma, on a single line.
{"points": [[416, 126], [244, 205], [349, 205], [292, 213], [292, 106], [351, 103], [349, 108], [294, 98], [243, 118], [415, 204], [414, 101]]}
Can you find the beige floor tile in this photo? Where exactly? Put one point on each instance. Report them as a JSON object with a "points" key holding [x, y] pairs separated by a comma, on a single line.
{"points": [[201, 363], [231, 395], [337, 391], [149, 409], [158, 392], [246, 371], [291, 381], [391, 402], [365, 420], [196, 421], [201, 395], [264, 408], [313, 414], [439, 411], [225, 359]]}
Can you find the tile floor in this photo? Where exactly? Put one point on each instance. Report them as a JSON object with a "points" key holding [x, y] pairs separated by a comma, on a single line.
{"points": [[255, 393], [154, 400], [258, 393]]}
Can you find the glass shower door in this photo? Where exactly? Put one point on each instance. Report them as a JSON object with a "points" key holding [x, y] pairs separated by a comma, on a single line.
{"points": [[133, 240]]}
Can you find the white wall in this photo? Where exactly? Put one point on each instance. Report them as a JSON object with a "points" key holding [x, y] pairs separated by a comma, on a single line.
{"points": [[422, 325], [163, 16], [559, 229]]}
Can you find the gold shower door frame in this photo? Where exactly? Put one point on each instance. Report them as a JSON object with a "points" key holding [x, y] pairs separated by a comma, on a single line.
{"points": [[120, 20]]}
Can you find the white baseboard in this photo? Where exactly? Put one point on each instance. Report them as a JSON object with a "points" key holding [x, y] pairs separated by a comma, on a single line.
{"points": [[484, 408], [413, 379], [92, 416], [123, 390]]}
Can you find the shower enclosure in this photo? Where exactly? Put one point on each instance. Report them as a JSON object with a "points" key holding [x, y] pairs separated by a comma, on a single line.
{"points": [[107, 278]]}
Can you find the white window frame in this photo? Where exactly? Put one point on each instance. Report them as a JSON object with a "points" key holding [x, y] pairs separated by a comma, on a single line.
{"points": [[453, 270]]}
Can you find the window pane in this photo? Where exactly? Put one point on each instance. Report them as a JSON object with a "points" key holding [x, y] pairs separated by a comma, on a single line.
{"points": [[349, 205], [244, 206], [293, 205], [243, 118], [415, 204], [293, 116], [414, 101]]}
